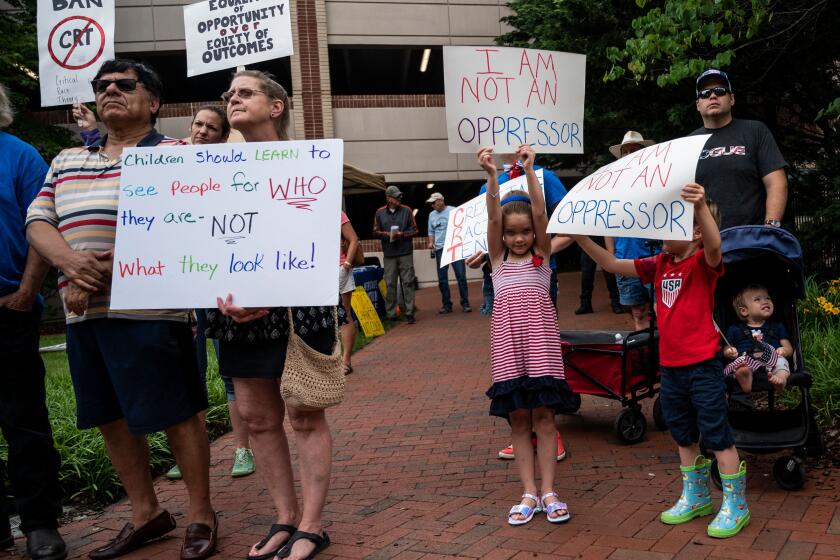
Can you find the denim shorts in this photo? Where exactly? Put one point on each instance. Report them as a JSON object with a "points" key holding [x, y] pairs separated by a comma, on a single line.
{"points": [[143, 371], [631, 291], [694, 405]]}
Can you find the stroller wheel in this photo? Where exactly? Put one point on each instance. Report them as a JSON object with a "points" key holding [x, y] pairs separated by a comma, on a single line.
{"points": [[789, 472], [658, 418], [715, 474], [630, 425]]}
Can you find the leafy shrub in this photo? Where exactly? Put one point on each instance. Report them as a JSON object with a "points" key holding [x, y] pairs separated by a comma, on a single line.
{"points": [[820, 337]]}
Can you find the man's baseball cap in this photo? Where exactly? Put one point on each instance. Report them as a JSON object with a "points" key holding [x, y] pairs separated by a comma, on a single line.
{"points": [[393, 191], [435, 196], [708, 75]]}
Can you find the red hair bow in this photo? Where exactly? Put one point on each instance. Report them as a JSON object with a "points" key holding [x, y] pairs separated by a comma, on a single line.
{"points": [[537, 260]]}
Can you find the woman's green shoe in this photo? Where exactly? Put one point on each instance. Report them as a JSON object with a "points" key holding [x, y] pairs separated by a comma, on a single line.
{"points": [[174, 473], [243, 462]]}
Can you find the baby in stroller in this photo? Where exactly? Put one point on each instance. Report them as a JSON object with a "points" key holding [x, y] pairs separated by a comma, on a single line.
{"points": [[757, 342]]}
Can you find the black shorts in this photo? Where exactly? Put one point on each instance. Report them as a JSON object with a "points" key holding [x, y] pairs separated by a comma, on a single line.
{"points": [[143, 371], [260, 360]]}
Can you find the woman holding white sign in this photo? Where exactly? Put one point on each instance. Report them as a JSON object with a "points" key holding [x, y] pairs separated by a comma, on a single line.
{"points": [[253, 352]]}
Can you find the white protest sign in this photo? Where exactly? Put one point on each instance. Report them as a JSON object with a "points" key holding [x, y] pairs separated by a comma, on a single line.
{"points": [[223, 34], [635, 196], [466, 230], [504, 97], [74, 38], [258, 220]]}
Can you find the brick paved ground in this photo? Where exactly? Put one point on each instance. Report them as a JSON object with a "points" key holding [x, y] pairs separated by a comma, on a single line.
{"points": [[415, 473]]}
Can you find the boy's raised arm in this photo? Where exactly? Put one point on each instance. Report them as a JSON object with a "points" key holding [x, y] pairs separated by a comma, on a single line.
{"points": [[709, 232], [607, 260]]}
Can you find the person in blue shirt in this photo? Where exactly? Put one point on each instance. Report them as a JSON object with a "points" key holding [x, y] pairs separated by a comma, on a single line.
{"points": [[33, 460], [438, 221], [632, 293]]}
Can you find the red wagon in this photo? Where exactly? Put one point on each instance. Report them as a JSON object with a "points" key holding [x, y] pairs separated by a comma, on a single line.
{"points": [[619, 365]]}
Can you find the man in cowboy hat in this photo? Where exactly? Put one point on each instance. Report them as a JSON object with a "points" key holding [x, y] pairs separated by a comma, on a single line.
{"points": [[632, 293], [740, 166], [395, 226], [631, 142]]}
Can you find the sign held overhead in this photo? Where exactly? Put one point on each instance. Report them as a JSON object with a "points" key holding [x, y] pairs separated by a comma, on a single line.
{"points": [[223, 34], [505, 97], [635, 196]]}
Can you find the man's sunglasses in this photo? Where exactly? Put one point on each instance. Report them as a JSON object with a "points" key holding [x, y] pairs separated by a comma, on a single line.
{"points": [[123, 84], [707, 93]]}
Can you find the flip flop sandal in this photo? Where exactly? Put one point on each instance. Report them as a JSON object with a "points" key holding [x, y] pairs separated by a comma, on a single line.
{"points": [[524, 510], [320, 542], [276, 528], [348, 369], [554, 507]]}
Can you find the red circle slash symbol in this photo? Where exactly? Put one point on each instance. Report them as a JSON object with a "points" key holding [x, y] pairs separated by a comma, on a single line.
{"points": [[76, 35]]}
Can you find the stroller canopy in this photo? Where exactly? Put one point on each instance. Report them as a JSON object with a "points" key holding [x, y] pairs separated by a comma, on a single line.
{"points": [[745, 243]]}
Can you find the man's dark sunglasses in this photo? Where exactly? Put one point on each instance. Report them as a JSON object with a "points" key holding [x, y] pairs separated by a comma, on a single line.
{"points": [[707, 93], [123, 84]]}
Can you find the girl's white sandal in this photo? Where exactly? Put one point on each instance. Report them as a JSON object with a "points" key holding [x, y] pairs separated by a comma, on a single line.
{"points": [[554, 507], [524, 510]]}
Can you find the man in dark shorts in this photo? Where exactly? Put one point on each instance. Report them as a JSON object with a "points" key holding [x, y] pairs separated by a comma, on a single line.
{"points": [[134, 372], [740, 166]]}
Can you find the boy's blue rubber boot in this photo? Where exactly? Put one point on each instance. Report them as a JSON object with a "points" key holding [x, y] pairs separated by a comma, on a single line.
{"points": [[696, 498], [734, 514]]}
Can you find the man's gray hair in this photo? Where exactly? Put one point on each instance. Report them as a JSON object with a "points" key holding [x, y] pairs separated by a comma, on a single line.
{"points": [[7, 113]]}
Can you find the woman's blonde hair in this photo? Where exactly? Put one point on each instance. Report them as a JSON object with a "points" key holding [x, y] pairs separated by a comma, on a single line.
{"points": [[7, 113], [274, 91]]}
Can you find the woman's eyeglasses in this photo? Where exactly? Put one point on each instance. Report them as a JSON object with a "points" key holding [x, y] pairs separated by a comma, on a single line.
{"points": [[243, 93], [707, 93], [123, 84]]}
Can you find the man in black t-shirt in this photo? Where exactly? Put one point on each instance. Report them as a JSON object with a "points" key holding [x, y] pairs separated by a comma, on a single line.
{"points": [[740, 166]]}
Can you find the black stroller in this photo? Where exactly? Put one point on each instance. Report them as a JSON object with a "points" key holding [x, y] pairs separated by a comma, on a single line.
{"points": [[771, 257]]}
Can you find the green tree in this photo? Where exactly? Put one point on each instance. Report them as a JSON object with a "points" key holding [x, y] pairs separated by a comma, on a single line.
{"points": [[19, 73], [590, 27], [783, 58]]}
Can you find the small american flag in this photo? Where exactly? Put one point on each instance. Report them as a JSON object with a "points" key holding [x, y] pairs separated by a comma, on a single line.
{"points": [[767, 358]]}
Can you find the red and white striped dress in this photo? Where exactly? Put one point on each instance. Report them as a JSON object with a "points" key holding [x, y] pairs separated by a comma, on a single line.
{"points": [[524, 335]]}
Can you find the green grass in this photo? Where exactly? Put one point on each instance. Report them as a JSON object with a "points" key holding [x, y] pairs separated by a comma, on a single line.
{"points": [[362, 340], [86, 474]]}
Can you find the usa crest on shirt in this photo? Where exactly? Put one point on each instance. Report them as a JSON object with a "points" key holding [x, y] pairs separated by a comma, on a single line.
{"points": [[670, 289]]}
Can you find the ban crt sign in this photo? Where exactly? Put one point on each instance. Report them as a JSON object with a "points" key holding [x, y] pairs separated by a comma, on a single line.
{"points": [[74, 38]]}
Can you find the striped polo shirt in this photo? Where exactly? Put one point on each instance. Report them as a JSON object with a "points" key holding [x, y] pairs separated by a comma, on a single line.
{"points": [[80, 197]]}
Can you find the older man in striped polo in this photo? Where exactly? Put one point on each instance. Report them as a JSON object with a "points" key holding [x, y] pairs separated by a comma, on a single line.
{"points": [[134, 372]]}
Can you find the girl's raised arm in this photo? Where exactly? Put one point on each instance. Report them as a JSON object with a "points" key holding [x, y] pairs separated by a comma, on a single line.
{"points": [[495, 245], [538, 213]]}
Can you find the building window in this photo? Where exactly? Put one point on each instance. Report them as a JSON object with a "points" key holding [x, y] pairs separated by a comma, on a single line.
{"points": [[178, 88], [386, 70]]}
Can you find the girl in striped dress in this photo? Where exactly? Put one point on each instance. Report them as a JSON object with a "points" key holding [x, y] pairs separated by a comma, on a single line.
{"points": [[529, 387]]}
